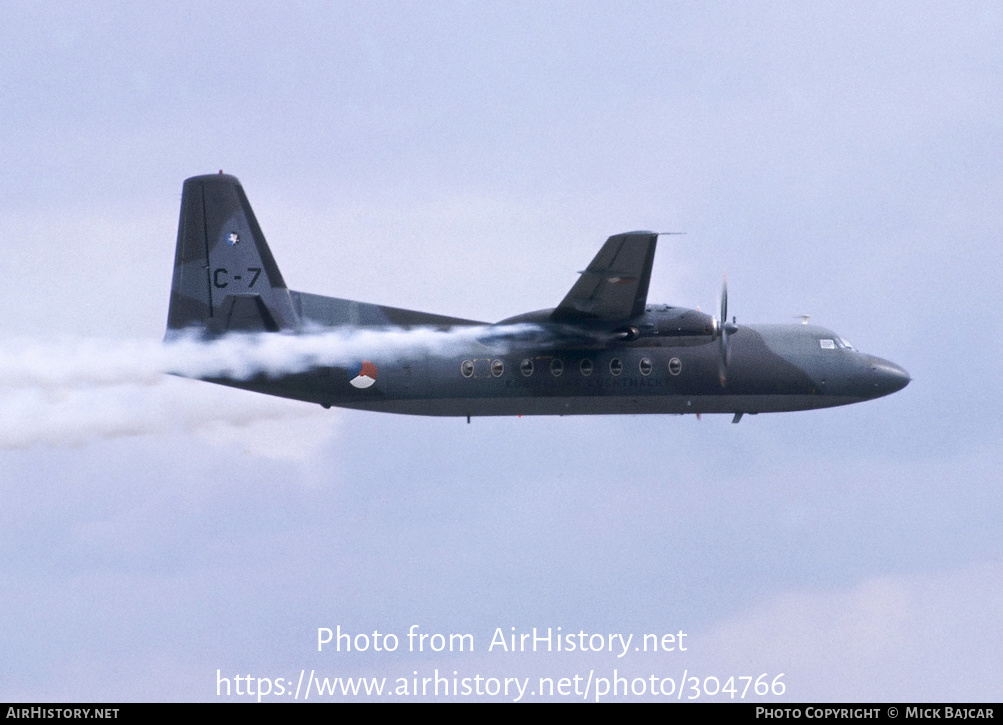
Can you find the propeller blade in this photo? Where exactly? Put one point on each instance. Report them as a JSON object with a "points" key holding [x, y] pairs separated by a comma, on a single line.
{"points": [[722, 365], [724, 301]]}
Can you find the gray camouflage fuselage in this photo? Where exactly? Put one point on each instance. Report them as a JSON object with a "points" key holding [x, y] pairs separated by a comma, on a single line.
{"points": [[604, 350]]}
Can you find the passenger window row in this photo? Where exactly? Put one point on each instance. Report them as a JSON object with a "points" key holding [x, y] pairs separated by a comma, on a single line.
{"points": [[585, 367]]}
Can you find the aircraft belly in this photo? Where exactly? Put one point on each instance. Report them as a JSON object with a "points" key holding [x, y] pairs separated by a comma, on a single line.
{"points": [[545, 405], [608, 405]]}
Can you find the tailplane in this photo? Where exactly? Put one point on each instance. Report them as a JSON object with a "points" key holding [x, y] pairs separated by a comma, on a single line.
{"points": [[225, 278]]}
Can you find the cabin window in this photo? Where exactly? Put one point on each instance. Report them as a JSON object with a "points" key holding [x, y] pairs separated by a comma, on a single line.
{"points": [[467, 368], [675, 366], [615, 366], [556, 367], [644, 366], [526, 367], [497, 368], [586, 367], [827, 344]]}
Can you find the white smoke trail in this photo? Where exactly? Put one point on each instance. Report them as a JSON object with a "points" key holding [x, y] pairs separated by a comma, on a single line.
{"points": [[78, 416], [243, 356], [88, 362], [74, 391]]}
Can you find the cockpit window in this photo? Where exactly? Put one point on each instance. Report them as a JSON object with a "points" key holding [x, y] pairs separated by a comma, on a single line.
{"points": [[827, 344], [846, 344]]}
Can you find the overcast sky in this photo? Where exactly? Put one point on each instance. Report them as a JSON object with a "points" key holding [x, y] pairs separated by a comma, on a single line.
{"points": [[842, 161]]}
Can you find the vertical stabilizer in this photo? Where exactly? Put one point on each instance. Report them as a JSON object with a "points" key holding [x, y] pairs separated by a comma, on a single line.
{"points": [[225, 278]]}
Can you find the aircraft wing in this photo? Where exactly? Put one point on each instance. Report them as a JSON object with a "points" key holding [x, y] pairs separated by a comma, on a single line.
{"points": [[614, 287]]}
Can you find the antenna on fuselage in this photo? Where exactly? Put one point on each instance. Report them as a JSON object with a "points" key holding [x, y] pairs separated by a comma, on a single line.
{"points": [[804, 318]]}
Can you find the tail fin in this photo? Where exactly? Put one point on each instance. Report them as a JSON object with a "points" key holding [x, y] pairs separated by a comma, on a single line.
{"points": [[225, 278]]}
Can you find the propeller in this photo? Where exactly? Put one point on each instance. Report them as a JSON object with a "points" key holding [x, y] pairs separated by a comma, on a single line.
{"points": [[724, 329]]}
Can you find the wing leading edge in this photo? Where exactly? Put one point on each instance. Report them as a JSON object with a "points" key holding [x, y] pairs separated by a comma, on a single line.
{"points": [[614, 287]]}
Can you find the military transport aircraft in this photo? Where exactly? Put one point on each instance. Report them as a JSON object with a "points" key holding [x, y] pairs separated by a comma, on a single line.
{"points": [[602, 350]]}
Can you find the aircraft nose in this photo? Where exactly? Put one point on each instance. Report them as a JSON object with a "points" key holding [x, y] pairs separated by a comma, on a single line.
{"points": [[886, 377]]}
